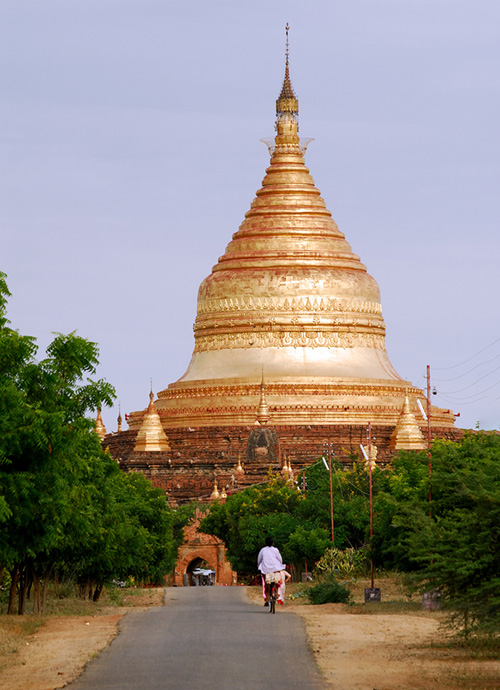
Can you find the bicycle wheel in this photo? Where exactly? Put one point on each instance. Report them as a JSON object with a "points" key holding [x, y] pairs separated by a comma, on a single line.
{"points": [[272, 598]]}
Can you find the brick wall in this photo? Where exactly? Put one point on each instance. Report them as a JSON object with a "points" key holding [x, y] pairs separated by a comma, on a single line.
{"points": [[197, 455]]}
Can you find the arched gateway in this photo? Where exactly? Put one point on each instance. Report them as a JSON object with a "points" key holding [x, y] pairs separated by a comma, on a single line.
{"points": [[198, 548]]}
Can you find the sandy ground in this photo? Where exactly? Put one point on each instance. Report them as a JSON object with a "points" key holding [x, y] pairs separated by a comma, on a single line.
{"points": [[355, 651], [365, 652], [390, 652], [58, 651], [363, 648]]}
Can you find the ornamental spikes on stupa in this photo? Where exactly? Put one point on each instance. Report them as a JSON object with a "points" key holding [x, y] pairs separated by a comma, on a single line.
{"points": [[151, 437], [99, 425], [407, 434], [263, 411], [284, 467], [215, 495], [239, 471]]}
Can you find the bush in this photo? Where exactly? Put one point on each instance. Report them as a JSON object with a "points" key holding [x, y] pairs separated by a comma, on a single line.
{"points": [[346, 563], [329, 592]]}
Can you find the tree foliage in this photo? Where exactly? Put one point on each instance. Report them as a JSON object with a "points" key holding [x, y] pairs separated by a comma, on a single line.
{"points": [[64, 503], [248, 516], [455, 541], [451, 544]]}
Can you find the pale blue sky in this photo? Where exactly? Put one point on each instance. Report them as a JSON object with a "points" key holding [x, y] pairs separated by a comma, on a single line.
{"points": [[129, 135]]}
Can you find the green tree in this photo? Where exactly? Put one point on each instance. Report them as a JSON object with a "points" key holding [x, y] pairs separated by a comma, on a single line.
{"points": [[247, 517], [130, 533], [64, 503], [299, 518], [406, 485], [44, 439], [457, 548], [351, 505]]}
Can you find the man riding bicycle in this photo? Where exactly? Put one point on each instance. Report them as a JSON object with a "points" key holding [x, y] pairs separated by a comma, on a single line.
{"points": [[269, 561]]}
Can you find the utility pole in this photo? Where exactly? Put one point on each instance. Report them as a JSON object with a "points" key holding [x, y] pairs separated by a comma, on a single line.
{"points": [[331, 488], [429, 436], [371, 499]]}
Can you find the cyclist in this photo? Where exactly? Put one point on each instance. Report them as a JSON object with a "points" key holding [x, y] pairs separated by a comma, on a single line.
{"points": [[269, 561]]}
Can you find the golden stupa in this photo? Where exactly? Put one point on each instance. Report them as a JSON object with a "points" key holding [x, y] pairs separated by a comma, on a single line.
{"points": [[289, 301], [151, 437]]}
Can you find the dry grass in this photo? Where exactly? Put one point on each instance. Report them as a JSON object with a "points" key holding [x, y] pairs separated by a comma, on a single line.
{"points": [[15, 631], [461, 666]]}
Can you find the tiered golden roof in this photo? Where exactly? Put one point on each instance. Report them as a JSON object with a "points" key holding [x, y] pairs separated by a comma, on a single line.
{"points": [[151, 437], [407, 434], [290, 297]]}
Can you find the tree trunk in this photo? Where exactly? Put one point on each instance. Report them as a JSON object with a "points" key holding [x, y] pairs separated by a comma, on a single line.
{"points": [[23, 588], [86, 589], [97, 592], [44, 590], [14, 575], [36, 593]]}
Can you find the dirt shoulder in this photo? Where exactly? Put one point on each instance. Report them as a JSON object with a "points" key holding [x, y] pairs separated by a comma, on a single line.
{"points": [[56, 651], [393, 645]]}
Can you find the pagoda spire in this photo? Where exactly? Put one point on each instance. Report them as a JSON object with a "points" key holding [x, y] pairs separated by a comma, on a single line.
{"points": [[151, 437], [407, 434], [287, 101], [99, 425]]}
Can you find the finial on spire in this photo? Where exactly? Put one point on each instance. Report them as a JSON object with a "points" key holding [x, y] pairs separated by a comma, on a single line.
{"points": [[287, 101]]}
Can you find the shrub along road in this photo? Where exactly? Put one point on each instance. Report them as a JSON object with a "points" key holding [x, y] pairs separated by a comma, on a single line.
{"points": [[205, 638]]}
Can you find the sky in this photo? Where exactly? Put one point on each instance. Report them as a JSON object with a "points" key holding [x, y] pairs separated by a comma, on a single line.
{"points": [[130, 151]]}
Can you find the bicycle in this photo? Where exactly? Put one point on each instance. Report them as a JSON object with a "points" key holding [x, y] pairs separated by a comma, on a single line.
{"points": [[273, 580]]}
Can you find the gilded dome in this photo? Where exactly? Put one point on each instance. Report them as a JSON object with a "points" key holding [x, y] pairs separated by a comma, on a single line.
{"points": [[289, 300], [289, 294]]}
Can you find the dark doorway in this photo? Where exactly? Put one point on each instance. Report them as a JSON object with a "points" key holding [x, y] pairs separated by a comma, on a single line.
{"points": [[199, 573]]}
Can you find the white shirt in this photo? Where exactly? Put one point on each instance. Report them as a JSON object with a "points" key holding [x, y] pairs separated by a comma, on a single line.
{"points": [[269, 560]]}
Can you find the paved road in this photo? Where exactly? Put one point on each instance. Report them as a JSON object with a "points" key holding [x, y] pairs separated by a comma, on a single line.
{"points": [[205, 638]]}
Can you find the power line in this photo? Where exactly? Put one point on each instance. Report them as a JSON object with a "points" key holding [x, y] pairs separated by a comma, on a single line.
{"points": [[468, 359], [474, 383], [481, 364], [465, 401]]}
